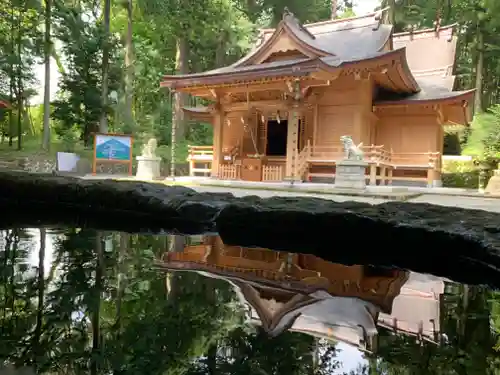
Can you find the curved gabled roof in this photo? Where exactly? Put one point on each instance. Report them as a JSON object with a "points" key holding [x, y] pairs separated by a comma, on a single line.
{"points": [[346, 38], [403, 82]]}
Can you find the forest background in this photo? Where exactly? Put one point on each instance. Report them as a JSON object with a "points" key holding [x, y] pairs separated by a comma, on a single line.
{"points": [[110, 56]]}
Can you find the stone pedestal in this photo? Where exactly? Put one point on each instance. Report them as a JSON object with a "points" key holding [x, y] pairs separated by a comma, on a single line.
{"points": [[493, 187], [148, 167], [350, 174]]}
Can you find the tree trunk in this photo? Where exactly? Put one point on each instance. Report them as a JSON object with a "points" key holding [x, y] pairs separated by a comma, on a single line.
{"points": [[176, 245], [46, 89], [121, 284], [220, 53], [20, 90], [129, 72], [96, 329], [180, 99], [391, 13], [478, 99], [333, 7], [12, 76], [37, 346], [103, 124]]}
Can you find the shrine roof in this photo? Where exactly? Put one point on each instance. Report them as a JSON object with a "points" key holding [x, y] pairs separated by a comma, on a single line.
{"points": [[346, 38], [430, 91], [281, 68], [430, 52]]}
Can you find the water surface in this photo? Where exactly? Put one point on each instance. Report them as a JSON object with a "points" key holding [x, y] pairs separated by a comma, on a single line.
{"points": [[79, 301]]}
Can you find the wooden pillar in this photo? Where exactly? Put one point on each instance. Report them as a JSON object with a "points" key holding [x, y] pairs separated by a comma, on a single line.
{"points": [[373, 174], [383, 172], [389, 176], [292, 138], [218, 131], [191, 162], [430, 177], [362, 121], [315, 125]]}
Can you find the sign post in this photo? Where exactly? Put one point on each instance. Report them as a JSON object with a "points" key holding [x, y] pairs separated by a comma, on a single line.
{"points": [[112, 148]]}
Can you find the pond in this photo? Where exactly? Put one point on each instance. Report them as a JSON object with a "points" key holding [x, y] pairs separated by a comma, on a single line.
{"points": [[81, 301]]}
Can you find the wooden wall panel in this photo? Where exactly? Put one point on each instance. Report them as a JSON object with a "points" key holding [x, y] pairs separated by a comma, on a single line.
{"points": [[233, 130], [332, 124], [409, 134], [344, 108]]}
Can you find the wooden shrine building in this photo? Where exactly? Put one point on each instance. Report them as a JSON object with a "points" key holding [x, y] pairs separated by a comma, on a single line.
{"points": [[278, 113], [304, 293]]}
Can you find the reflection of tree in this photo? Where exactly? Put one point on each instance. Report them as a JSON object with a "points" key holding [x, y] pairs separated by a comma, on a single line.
{"points": [[247, 350], [16, 294]]}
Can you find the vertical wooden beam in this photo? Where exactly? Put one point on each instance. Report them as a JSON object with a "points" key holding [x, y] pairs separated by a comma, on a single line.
{"points": [[292, 137], [315, 124], [218, 133], [383, 173], [362, 129], [373, 174], [430, 177]]}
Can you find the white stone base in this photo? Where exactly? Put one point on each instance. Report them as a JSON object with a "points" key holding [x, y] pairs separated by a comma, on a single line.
{"points": [[350, 174], [148, 168]]}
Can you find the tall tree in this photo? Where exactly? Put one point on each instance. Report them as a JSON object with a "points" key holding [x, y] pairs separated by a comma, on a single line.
{"points": [[103, 125], [46, 89]]}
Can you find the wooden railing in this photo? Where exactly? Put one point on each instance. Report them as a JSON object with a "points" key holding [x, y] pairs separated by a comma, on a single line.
{"points": [[229, 172], [379, 155], [372, 154], [272, 173], [200, 155]]}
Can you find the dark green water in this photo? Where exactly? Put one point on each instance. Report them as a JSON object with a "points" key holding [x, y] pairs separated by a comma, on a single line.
{"points": [[97, 304]]}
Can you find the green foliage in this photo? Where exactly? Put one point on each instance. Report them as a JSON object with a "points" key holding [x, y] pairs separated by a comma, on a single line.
{"points": [[79, 105], [485, 129], [460, 174]]}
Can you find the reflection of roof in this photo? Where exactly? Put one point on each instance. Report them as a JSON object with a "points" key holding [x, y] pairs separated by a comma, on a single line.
{"points": [[278, 307], [4, 104], [417, 309], [319, 314]]}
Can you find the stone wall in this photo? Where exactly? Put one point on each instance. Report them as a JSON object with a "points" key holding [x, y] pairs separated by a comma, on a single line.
{"points": [[45, 164]]}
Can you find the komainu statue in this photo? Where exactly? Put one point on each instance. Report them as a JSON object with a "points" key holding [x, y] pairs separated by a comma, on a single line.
{"points": [[149, 149], [352, 152]]}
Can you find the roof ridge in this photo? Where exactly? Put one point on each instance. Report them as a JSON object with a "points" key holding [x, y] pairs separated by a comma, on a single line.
{"points": [[422, 31], [345, 29], [305, 26], [290, 17], [376, 13]]}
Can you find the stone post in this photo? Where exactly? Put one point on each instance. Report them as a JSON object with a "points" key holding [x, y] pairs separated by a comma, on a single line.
{"points": [[351, 171], [148, 164]]}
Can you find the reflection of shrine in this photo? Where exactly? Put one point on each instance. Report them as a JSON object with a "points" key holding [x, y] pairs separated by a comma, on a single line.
{"points": [[300, 292]]}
